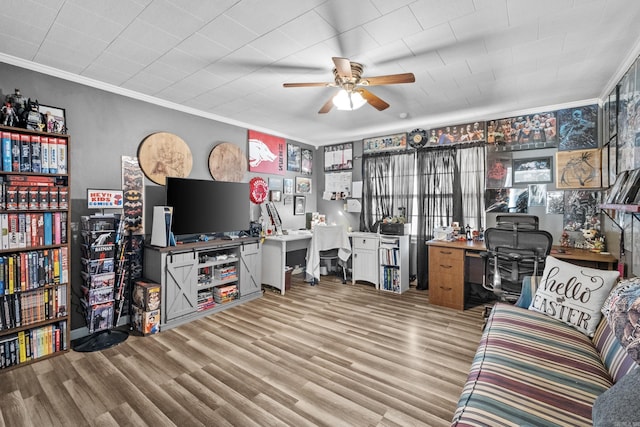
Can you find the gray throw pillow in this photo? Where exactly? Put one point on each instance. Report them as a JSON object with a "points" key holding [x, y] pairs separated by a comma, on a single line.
{"points": [[618, 406]]}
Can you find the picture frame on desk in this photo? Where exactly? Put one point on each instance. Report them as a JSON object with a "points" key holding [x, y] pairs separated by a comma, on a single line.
{"points": [[55, 120]]}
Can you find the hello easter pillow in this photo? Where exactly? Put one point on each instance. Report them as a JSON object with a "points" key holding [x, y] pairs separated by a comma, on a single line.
{"points": [[573, 294]]}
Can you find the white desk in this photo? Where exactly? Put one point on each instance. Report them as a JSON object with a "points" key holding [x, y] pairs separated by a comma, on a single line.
{"points": [[274, 256], [327, 237]]}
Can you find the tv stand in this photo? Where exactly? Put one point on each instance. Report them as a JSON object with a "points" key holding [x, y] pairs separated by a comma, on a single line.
{"points": [[190, 273]]}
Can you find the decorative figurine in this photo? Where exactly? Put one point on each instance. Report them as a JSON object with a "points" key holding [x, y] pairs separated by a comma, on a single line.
{"points": [[33, 118], [18, 102], [8, 114], [564, 240]]}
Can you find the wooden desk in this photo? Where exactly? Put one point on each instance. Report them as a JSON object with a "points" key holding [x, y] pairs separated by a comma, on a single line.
{"points": [[449, 267]]}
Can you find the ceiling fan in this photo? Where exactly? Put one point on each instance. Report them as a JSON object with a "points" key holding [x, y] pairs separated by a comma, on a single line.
{"points": [[353, 93]]}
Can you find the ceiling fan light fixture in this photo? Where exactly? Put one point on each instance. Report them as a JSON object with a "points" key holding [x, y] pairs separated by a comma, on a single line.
{"points": [[348, 100]]}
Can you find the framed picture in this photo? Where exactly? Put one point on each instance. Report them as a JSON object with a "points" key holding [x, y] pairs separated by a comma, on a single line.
{"points": [[54, 119], [275, 195], [379, 144], [303, 185], [338, 157], [578, 169], [514, 200], [275, 184], [555, 202], [532, 170], [293, 158], [307, 162], [578, 128], [499, 170], [537, 194], [288, 186], [298, 205]]}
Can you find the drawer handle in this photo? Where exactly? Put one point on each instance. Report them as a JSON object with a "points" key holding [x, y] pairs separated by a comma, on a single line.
{"points": [[445, 289], [446, 266], [446, 252]]}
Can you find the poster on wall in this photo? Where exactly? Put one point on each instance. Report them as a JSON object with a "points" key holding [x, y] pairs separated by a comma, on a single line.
{"points": [[337, 186], [526, 132], [266, 153], [579, 169], [581, 211], [578, 128], [378, 144], [307, 162], [133, 187], [293, 158], [499, 170], [338, 157], [507, 200], [458, 134]]}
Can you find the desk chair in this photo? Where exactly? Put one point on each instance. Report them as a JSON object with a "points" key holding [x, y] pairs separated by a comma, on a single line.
{"points": [[330, 255], [327, 242], [524, 222], [512, 254]]}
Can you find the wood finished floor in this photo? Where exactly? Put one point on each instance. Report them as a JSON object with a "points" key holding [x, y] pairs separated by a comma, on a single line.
{"points": [[326, 355]]}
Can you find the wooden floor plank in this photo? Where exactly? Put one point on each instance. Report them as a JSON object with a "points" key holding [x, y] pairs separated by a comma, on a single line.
{"points": [[325, 355]]}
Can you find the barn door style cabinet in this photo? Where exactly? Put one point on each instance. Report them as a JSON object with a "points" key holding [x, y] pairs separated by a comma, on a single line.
{"points": [[202, 278]]}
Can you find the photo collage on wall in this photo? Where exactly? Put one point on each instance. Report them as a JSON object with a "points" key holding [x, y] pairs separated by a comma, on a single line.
{"points": [[516, 182], [267, 155]]}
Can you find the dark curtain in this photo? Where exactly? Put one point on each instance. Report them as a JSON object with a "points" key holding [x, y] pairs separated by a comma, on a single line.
{"points": [[387, 186], [436, 179]]}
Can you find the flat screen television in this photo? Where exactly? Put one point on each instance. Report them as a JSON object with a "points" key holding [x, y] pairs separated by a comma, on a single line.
{"points": [[207, 207]]}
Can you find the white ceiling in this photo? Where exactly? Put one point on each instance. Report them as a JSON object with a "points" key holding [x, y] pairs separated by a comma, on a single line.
{"points": [[227, 59]]}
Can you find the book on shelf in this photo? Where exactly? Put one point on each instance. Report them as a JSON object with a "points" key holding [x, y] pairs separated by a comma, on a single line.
{"points": [[36, 154], [15, 152], [44, 154], [6, 151], [25, 153]]}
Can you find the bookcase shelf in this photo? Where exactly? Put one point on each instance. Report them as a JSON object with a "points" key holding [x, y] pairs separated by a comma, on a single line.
{"points": [[394, 263], [34, 247], [621, 208]]}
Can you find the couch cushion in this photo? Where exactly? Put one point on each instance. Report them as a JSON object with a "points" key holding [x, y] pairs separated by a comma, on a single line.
{"points": [[529, 288], [531, 369], [614, 356], [623, 316], [618, 406], [573, 294]]}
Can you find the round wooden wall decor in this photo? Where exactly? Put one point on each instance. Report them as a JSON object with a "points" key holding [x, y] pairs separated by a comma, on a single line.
{"points": [[164, 154], [227, 162]]}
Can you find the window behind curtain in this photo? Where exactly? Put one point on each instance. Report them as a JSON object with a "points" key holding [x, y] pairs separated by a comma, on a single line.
{"points": [[471, 166], [388, 182]]}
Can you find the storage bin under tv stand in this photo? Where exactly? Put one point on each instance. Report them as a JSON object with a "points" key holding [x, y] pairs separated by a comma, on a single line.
{"points": [[182, 272]]}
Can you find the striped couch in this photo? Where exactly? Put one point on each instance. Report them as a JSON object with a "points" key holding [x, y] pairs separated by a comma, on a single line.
{"points": [[532, 370]]}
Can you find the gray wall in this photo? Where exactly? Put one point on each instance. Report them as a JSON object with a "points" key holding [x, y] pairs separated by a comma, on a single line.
{"points": [[104, 126]]}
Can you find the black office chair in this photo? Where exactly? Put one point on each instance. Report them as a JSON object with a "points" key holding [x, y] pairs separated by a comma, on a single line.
{"points": [[330, 255], [511, 255], [519, 221]]}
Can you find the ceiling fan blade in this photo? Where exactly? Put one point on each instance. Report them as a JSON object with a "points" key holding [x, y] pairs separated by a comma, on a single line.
{"points": [[307, 84], [391, 79], [343, 67], [375, 102], [327, 106]]}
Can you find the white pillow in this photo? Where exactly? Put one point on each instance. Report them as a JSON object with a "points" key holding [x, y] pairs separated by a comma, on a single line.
{"points": [[573, 294]]}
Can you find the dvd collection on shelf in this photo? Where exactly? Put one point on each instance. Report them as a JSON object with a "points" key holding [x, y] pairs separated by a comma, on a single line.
{"points": [[34, 245], [624, 190]]}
